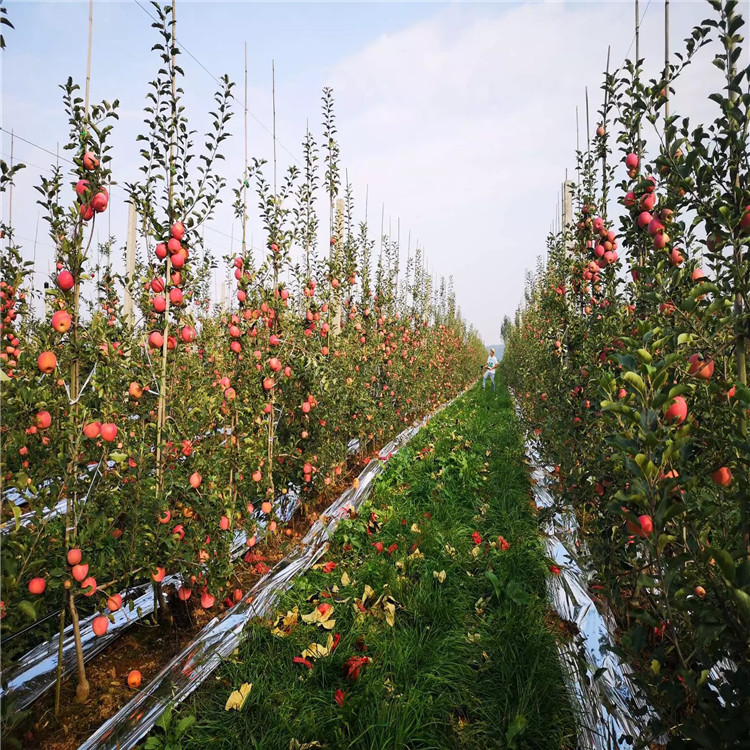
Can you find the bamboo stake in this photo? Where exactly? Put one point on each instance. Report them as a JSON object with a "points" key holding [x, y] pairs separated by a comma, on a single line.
{"points": [[244, 175], [667, 72], [273, 104], [10, 188], [604, 140], [638, 66], [88, 61]]}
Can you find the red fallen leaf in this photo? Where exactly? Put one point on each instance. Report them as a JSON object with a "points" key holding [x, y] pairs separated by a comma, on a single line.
{"points": [[503, 543], [325, 594], [304, 662], [361, 607], [329, 566], [228, 603], [347, 547], [336, 639], [476, 537], [339, 696], [352, 666], [261, 568], [379, 546], [373, 516], [392, 548], [324, 608], [403, 522], [554, 569], [428, 515]]}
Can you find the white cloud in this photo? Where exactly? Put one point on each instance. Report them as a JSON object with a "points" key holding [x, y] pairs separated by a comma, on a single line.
{"points": [[464, 125]]}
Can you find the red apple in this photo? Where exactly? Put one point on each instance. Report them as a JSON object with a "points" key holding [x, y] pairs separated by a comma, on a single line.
{"points": [[61, 321], [90, 161], [74, 557], [722, 476], [678, 410], [108, 431], [100, 625], [99, 202], [37, 586], [65, 280], [47, 362], [92, 430], [701, 368]]}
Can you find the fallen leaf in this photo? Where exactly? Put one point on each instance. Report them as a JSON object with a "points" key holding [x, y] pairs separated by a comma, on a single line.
{"points": [[439, 576], [344, 579], [284, 624], [237, 699], [368, 593], [322, 616], [415, 529]]}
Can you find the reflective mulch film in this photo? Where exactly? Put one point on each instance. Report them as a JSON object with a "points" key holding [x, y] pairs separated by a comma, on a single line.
{"points": [[36, 671], [596, 679]]}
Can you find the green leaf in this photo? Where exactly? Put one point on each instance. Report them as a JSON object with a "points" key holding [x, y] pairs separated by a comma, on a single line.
{"points": [[27, 608], [515, 730], [184, 724], [634, 379], [725, 561]]}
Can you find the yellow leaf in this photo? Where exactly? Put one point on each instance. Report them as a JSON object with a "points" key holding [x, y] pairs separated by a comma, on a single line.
{"points": [[439, 576], [368, 593], [316, 651], [416, 554], [238, 697], [324, 620], [344, 579], [284, 623], [415, 529]]}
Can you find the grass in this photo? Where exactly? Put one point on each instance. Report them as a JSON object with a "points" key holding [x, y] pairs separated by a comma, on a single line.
{"points": [[467, 662]]}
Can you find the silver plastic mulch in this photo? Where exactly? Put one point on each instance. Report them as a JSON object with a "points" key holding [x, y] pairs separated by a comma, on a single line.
{"points": [[595, 678], [36, 672], [219, 638]]}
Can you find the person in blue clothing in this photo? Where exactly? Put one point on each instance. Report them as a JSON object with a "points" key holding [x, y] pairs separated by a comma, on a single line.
{"points": [[489, 370]]}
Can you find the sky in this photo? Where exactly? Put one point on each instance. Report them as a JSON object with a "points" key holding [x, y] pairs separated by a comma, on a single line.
{"points": [[457, 120]]}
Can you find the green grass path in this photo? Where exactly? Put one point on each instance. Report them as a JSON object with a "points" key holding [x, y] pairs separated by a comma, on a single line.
{"points": [[468, 661]]}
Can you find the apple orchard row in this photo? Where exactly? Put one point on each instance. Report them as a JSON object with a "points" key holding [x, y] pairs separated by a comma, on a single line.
{"points": [[165, 435], [629, 360]]}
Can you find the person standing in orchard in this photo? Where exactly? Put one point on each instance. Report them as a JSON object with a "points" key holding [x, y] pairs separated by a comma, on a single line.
{"points": [[489, 370]]}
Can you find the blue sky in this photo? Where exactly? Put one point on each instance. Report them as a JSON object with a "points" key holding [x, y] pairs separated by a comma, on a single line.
{"points": [[459, 118]]}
